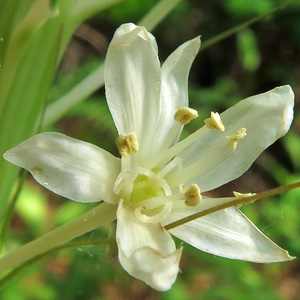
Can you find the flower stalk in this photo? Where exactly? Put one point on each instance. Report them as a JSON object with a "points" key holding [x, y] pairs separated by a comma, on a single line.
{"points": [[55, 239], [235, 202], [12, 274], [98, 216], [223, 35]]}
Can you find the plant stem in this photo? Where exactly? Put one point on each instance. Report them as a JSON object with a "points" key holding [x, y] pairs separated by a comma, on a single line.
{"points": [[94, 218], [158, 13], [8, 277], [231, 31], [11, 206], [235, 202]]}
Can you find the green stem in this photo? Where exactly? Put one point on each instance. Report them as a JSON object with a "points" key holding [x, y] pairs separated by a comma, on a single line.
{"points": [[235, 202], [11, 206], [242, 26], [94, 218], [158, 13], [81, 91], [83, 10], [8, 277], [38, 14]]}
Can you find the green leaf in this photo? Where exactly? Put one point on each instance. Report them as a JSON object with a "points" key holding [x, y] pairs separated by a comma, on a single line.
{"points": [[32, 52]]}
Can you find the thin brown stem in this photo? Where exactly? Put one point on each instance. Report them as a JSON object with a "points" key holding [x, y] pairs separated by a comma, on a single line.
{"points": [[235, 202]]}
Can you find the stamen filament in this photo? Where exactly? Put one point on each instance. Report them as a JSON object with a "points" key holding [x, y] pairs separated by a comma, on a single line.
{"points": [[155, 218], [191, 171], [176, 162], [177, 148], [132, 174], [183, 116], [172, 135], [158, 201]]}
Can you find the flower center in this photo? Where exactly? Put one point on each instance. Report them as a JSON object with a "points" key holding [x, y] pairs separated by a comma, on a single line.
{"points": [[145, 187]]}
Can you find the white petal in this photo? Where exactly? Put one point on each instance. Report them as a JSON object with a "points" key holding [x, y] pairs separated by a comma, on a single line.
{"points": [[174, 87], [71, 168], [132, 83], [146, 251], [228, 233], [210, 161]]}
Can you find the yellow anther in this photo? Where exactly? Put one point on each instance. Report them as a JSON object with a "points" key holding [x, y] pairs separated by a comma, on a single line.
{"points": [[185, 114], [192, 195], [241, 195], [214, 122], [236, 137], [127, 144]]}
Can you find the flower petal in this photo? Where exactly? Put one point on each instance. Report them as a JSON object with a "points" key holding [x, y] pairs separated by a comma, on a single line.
{"points": [[69, 167], [132, 83], [228, 233], [174, 89], [146, 251], [210, 160]]}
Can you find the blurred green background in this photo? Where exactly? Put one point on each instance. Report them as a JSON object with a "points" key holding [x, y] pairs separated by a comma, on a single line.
{"points": [[256, 59]]}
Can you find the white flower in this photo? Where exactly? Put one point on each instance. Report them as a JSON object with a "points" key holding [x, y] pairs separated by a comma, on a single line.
{"points": [[157, 180]]}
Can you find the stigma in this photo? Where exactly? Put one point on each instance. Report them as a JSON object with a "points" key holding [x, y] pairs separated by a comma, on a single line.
{"points": [[127, 144]]}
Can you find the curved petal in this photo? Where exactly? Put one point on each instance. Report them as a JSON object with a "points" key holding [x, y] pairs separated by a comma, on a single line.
{"points": [[174, 88], [146, 251], [132, 83], [227, 233], [71, 168], [210, 160]]}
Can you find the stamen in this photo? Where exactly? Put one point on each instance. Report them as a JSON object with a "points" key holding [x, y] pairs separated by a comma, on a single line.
{"points": [[176, 162], [181, 188], [127, 144], [120, 181], [241, 195], [214, 122], [162, 214], [236, 137], [124, 183], [192, 195], [154, 202], [158, 201], [185, 114]]}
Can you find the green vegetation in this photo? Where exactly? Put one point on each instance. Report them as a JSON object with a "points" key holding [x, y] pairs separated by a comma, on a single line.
{"points": [[41, 64]]}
